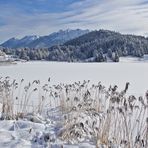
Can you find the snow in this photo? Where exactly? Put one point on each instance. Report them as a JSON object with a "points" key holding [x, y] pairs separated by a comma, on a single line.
{"points": [[108, 73], [130, 59], [27, 134]]}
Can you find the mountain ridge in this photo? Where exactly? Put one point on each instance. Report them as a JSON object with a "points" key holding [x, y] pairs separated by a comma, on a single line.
{"points": [[46, 41]]}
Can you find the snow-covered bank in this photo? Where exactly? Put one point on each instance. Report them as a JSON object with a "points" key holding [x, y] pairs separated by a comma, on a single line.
{"points": [[78, 115]]}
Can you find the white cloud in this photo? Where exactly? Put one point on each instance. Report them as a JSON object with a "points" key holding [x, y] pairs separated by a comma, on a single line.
{"points": [[128, 16]]}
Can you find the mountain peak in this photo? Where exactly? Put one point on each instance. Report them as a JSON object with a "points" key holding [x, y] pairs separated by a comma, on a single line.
{"points": [[30, 38], [13, 39]]}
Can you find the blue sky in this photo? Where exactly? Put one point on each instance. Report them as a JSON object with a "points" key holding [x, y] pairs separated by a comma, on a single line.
{"points": [[42, 17]]}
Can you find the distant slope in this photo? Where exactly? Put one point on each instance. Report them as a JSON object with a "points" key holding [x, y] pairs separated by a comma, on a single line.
{"points": [[44, 41], [10, 43], [17, 43]]}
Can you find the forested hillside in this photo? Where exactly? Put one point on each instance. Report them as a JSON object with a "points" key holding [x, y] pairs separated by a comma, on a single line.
{"points": [[99, 45]]}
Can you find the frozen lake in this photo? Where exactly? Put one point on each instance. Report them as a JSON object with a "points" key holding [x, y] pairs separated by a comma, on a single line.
{"points": [[107, 73]]}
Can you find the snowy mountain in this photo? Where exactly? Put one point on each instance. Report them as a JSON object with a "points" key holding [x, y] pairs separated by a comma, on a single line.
{"points": [[55, 38], [16, 43]]}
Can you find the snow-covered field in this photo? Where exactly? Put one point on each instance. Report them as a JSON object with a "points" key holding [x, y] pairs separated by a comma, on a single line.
{"points": [[42, 130]]}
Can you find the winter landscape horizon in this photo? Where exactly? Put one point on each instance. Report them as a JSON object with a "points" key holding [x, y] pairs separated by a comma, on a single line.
{"points": [[73, 74]]}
